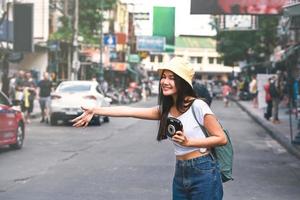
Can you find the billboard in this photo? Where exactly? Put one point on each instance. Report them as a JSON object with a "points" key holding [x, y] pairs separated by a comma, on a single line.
{"points": [[255, 7], [238, 22], [150, 43], [164, 23]]}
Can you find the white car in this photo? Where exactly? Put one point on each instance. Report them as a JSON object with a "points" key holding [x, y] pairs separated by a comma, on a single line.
{"points": [[69, 96]]}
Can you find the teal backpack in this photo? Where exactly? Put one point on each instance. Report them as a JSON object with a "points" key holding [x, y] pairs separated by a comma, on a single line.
{"points": [[223, 154]]}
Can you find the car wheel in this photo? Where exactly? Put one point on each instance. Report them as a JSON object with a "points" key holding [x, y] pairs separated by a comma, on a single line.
{"points": [[53, 120], [20, 137], [106, 119]]}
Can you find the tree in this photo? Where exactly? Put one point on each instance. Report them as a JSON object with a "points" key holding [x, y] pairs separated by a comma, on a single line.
{"points": [[253, 46], [90, 17]]}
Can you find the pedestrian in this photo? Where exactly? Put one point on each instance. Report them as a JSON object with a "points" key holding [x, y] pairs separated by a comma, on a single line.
{"points": [[276, 94], [29, 94], [226, 90], [253, 91], [197, 175], [201, 91], [268, 99], [44, 95], [19, 88]]}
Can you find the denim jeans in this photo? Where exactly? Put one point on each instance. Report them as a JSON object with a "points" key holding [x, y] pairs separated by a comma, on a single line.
{"points": [[197, 179]]}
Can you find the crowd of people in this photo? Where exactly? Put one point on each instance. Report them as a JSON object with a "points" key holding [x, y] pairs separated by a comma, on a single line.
{"points": [[276, 91], [23, 90]]}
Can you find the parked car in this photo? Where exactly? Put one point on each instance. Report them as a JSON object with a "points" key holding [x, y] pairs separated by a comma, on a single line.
{"points": [[217, 90], [12, 126], [69, 96]]}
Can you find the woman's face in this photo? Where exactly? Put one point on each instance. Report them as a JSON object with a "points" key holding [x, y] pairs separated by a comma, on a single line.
{"points": [[167, 83]]}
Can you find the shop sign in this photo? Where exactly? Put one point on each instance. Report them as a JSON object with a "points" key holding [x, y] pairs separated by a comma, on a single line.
{"points": [[133, 58], [150, 43]]}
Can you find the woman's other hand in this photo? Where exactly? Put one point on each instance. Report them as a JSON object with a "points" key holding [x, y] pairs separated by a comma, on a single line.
{"points": [[180, 138], [84, 118]]}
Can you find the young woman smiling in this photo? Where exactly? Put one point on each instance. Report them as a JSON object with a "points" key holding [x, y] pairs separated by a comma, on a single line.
{"points": [[197, 175]]}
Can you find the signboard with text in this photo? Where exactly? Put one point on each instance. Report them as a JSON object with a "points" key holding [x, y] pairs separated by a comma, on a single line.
{"points": [[150, 43], [255, 7], [238, 22]]}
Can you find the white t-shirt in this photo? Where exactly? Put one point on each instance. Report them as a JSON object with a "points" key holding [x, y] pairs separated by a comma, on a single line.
{"points": [[191, 127]]}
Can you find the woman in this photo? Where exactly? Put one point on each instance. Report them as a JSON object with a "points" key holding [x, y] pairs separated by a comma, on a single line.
{"points": [[194, 165], [268, 99]]}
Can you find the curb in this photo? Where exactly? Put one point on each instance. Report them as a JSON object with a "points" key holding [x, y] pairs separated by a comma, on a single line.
{"points": [[273, 132]]}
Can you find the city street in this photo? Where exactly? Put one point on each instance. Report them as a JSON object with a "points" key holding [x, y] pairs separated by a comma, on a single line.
{"points": [[121, 160]]}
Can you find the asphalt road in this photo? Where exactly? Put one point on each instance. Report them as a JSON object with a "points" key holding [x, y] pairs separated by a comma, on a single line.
{"points": [[122, 160]]}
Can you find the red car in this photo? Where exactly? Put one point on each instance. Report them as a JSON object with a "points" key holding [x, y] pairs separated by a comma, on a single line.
{"points": [[12, 126]]}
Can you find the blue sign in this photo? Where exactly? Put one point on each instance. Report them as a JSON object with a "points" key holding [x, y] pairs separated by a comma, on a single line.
{"points": [[150, 43], [6, 31], [110, 41]]}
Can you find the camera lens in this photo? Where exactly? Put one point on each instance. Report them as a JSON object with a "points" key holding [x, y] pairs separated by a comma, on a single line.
{"points": [[171, 130]]}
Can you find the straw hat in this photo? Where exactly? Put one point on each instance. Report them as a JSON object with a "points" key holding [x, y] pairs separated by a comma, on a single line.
{"points": [[179, 66]]}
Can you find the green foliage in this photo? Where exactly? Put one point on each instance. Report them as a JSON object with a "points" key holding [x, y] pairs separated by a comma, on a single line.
{"points": [[235, 45], [64, 33], [90, 17]]}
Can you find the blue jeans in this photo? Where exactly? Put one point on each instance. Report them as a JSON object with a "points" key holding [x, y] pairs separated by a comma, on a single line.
{"points": [[197, 179]]}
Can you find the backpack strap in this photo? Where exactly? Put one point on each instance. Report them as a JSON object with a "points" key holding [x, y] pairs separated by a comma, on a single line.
{"points": [[203, 130]]}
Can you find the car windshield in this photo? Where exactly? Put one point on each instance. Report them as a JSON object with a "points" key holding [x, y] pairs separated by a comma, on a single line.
{"points": [[74, 88]]}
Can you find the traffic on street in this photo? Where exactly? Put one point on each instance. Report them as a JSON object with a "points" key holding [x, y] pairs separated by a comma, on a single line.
{"points": [[122, 160], [149, 100]]}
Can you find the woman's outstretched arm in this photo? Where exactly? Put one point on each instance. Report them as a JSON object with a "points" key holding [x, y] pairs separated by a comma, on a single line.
{"points": [[116, 111]]}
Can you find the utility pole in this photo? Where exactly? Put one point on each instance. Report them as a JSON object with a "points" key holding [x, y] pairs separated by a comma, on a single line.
{"points": [[101, 41], [75, 60]]}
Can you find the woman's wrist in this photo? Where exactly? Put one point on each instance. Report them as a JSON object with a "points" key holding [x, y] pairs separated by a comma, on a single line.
{"points": [[187, 142], [94, 110]]}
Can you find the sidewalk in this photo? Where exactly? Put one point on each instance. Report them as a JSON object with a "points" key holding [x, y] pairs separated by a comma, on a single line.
{"points": [[280, 132]]}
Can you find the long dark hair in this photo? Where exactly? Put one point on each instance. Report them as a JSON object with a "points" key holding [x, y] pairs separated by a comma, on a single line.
{"points": [[166, 102]]}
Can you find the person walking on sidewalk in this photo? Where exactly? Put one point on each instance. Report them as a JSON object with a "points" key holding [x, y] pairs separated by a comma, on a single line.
{"points": [[197, 176], [44, 92], [253, 91], [276, 94], [226, 90], [29, 94], [268, 99]]}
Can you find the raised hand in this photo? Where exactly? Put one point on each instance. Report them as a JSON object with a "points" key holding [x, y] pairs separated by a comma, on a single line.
{"points": [[84, 119]]}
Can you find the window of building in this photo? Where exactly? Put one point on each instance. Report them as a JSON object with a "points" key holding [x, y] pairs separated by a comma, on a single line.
{"points": [[160, 58], [152, 58], [195, 59], [211, 60], [219, 61], [199, 60]]}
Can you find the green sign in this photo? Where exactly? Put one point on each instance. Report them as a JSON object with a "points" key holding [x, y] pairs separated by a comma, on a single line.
{"points": [[133, 58]]}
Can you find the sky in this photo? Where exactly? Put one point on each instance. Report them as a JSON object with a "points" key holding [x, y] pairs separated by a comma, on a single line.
{"points": [[185, 24]]}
